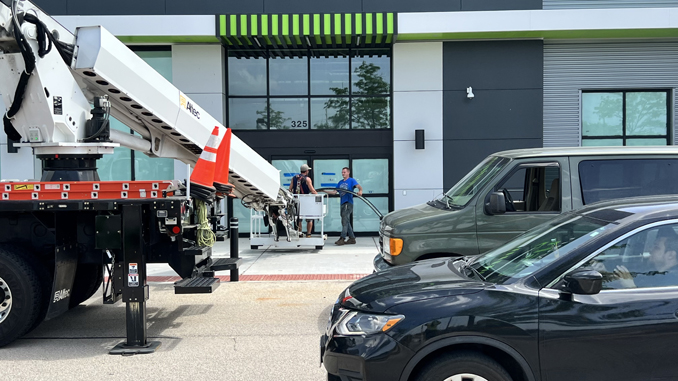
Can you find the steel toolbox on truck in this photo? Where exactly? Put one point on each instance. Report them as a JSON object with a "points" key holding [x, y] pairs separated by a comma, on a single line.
{"points": [[511, 192]]}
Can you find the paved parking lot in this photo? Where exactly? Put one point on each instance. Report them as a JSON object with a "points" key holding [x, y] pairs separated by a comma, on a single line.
{"points": [[249, 330]]}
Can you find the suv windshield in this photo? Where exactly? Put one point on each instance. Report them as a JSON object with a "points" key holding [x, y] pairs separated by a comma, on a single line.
{"points": [[536, 248], [474, 181]]}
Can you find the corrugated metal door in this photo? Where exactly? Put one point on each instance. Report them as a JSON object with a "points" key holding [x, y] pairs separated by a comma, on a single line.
{"points": [[570, 68]]}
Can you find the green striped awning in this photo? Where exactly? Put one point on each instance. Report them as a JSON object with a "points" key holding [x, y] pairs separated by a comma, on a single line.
{"points": [[307, 31]]}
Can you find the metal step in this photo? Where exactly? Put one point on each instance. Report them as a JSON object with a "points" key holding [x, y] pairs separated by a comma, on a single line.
{"points": [[200, 285], [222, 264], [197, 250]]}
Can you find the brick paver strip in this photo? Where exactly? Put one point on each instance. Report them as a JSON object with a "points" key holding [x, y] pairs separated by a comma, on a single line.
{"points": [[270, 278]]}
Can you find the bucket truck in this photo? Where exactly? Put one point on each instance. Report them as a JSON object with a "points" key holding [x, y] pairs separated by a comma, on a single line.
{"points": [[59, 233]]}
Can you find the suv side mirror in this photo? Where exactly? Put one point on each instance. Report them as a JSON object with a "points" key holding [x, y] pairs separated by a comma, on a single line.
{"points": [[497, 203], [583, 282]]}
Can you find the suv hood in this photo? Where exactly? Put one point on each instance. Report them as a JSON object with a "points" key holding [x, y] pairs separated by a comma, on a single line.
{"points": [[416, 218], [428, 279]]}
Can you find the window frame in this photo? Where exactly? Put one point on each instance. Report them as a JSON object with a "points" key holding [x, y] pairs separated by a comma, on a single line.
{"points": [[526, 166], [624, 136], [351, 53], [552, 285]]}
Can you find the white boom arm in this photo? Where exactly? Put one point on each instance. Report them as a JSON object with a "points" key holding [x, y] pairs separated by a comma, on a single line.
{"points": [[56, 104]]}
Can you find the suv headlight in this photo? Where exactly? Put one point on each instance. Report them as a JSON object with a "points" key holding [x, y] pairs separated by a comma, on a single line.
{"points": [[359, 323]]}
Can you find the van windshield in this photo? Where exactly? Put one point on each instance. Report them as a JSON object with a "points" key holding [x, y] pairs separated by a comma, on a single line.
{"points": [[474, 181], [537, 248]]}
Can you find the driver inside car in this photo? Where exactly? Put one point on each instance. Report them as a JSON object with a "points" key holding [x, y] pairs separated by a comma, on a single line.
{"points": [[661, 269]]}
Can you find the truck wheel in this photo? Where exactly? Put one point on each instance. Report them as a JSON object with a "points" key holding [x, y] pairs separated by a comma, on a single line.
{"points": [[21, 293], [88, 278], [467, 366]]}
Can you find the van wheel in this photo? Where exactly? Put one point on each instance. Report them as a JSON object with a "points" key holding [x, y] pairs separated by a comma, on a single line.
{"points": [[21, 293], [88, 278], [466, 366]]}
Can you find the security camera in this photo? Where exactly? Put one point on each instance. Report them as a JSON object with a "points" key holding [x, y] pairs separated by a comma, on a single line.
{"points": [[469, 93]]}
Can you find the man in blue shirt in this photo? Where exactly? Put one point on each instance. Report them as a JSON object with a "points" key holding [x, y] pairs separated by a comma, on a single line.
{"points": [[347, 183]]}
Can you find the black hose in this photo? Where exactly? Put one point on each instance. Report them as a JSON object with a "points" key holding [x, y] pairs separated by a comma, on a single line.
{"points": [[381, 216], [29, 63], [46, 40], [202, 192]]}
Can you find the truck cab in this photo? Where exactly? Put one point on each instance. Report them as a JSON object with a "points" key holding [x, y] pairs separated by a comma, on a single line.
{"points": [[513, 191]]}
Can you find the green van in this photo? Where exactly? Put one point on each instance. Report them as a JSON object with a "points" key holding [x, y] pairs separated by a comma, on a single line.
{"points": [[513, 191]]}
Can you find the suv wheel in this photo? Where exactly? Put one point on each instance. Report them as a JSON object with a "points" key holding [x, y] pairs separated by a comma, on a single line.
{"points": [[466, 366]]}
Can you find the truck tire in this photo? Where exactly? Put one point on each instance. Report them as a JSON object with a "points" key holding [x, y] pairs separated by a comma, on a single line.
{"points": [[464, 365], [88, 279], [22, 294]]}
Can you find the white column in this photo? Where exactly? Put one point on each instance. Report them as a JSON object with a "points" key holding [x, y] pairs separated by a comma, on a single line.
{"points": [[199, 72], [417, 105]]}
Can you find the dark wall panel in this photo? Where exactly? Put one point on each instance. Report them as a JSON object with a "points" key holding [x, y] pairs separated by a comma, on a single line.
{"points": [[499, 5], [493, 65], [460, 156], [507, 110], [323, 142], [118, 7], [213, 7], [312, 6], [411, 6], [493, 114], [53, 7]]}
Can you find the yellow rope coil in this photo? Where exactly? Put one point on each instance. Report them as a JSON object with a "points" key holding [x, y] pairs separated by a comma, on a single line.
{"points": [[206, 236]]}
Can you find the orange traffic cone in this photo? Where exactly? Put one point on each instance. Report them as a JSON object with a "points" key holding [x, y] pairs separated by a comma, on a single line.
{"points": [[203, 172], [221, 171]]}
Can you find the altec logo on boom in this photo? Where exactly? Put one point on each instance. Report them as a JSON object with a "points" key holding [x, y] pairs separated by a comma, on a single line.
{"points": [[185, 103]]}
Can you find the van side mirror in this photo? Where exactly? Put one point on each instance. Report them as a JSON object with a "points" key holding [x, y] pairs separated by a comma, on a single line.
{"points": [[583, 282], [496, 204]]}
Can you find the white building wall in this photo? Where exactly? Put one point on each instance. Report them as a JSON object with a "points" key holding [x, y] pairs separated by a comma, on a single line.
{"points": [[417, 105], [199, 72]]}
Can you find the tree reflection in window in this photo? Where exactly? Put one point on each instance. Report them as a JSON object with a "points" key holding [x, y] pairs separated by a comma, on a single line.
{"points": [[368, 112], [625, 118], [360, 98], [340, 108], [277, 121]]}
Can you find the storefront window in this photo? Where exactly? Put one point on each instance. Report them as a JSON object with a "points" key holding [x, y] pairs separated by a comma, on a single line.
{"points": [[117, 166], [621, 118], [248, 113], [247, 76], [329, 76], [288, 76], [372, 175], [340, 89], [125, 164], [371, 75], [364, 218], [330, 113], [288, 113], [371, 113]]}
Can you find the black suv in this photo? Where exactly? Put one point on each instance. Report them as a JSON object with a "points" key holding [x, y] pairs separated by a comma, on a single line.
{"points": [[590, 295]]}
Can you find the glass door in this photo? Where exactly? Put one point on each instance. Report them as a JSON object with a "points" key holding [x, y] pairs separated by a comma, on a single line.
{"points": [[288, 169], [326, 173]]}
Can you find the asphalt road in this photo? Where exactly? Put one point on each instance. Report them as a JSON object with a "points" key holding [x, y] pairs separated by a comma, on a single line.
{"points": [[246, 331]]}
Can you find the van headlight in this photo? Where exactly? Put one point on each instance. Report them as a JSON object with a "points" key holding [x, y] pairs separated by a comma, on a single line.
{"points": [[392, 246], [356, 323]]}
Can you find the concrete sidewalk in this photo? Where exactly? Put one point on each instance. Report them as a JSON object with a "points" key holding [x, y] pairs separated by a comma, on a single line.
{"points": [[268, 263]]}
